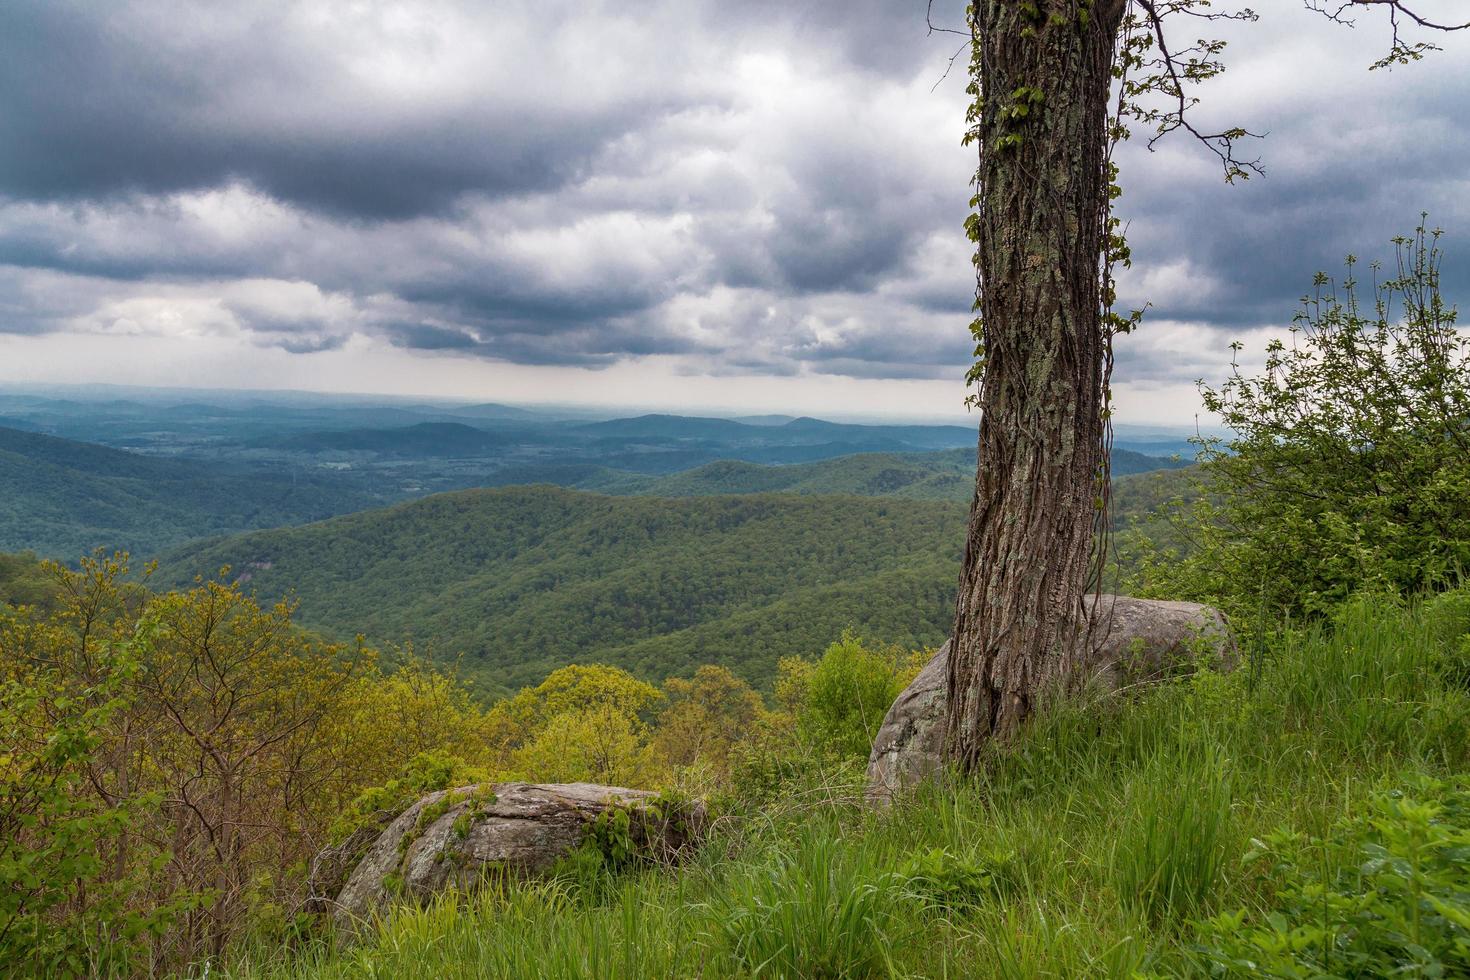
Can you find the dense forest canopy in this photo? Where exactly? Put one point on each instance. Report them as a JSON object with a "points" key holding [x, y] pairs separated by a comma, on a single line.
{"points": [[522, 580]]}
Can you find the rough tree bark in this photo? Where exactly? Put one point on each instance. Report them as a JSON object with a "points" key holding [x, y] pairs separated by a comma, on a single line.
{"points": [[1044, 72]]}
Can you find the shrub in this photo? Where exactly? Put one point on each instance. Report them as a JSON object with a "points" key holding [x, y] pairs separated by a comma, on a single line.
{"points": [[947, 881], [1387, 894], [848, 692], [65, 908], [1348, 466]]}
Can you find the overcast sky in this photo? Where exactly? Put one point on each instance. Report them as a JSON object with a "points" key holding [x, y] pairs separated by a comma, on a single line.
{"points": [[736, 206]]}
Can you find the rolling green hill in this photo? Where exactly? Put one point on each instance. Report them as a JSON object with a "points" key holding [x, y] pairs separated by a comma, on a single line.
{"points": [[61, 498], [944, 475], [522, 580]]}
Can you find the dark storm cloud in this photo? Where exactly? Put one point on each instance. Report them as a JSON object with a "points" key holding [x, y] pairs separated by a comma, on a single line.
{"points": [[764, 187], [118, 125], [103, 101], [878, 352], [580, 346]]}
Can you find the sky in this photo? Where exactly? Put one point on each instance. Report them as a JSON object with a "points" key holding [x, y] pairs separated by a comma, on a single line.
{"points": [[733, 207]]}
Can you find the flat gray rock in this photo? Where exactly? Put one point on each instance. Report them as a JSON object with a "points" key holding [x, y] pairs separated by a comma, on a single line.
{"points": [[1133, 641]]}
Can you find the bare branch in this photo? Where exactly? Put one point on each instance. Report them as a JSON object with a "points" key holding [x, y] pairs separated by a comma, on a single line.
{"points": [[1400, 51], [950, 66], [929, 22]]}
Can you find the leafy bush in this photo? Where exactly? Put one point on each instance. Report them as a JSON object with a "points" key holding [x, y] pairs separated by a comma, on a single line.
{"points": [[815, 745], [1349, 464], [1386, 894], [849, 691], [946, 880]]}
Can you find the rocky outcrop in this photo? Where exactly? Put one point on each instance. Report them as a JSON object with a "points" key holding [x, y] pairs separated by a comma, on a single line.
{"points": [[1132, 641], [457, 837]]}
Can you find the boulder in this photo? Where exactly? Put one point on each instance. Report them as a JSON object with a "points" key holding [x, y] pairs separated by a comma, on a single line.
{"points": [[457, 837], [1132, 641]]}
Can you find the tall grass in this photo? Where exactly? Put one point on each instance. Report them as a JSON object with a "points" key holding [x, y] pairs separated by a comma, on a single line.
{"points": [[1093, 847]]}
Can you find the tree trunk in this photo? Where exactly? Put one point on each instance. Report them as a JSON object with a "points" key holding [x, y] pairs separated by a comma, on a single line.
{"points": [[1045, 78]]}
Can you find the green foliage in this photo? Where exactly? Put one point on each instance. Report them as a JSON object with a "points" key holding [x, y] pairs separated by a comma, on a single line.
{"points": [[512, 584], [847, 693], [816, 741], [706, 720], [594, 745], [425, 773], [571, 689], [1349, 466], [945, 475], [25, 582], [1449, 614], [180, 759], [1031, 869], [64, 911], [947, 881], [611, 836], [817, 909], [581, 724], [1386, 893], [1170, 846]]}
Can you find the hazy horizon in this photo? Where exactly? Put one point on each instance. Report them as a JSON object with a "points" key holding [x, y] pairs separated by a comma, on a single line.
{"points": [[165, 394]]}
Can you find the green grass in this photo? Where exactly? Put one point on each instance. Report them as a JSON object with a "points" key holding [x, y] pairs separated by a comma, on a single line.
{"points": [[1098, 846]]}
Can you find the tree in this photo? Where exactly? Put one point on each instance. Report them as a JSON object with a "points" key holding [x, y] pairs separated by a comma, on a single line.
{"points": [[847, 693], [175, 760], [64, 911], [575, 689], [704, 718], [599, 744], [1045, 73]]}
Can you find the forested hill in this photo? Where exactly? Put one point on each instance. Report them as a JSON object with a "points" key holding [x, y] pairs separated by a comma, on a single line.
{"points": [[522, 580], [942, 475], [62, 498]]}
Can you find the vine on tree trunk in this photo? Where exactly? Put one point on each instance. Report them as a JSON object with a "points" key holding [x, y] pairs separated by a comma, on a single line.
{"points": [[1055, 86]]}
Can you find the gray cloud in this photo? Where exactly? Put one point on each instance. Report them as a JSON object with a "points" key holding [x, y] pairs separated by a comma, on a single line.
{"points": [[761, 188], [152, 98]]}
